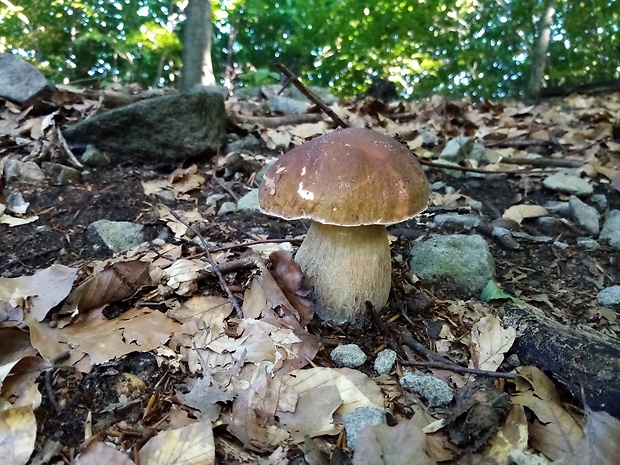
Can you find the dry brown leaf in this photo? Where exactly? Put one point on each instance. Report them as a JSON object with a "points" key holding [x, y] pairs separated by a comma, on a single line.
{"points": [[190, 445], [38, 293], [15, 345], [18, 429], [288, 276], [601, 443], [18, 381], [556, 432], [313, 415], [115, 282], [403, 444], [98, 453], [356, 389], [489, 342], [520, 212], [93, 339], [512, 436]]}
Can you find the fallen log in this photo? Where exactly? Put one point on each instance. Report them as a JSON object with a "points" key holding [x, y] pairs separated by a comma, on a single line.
{"points": [[585, 361]]}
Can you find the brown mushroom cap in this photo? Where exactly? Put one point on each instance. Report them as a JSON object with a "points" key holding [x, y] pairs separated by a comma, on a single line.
{"points": [[349, 177]]}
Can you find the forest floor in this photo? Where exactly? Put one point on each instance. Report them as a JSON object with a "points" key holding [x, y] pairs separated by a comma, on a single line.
{"points": [[140, 385]]}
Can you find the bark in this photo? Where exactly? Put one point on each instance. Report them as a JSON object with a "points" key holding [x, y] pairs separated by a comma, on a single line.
{"points": [[585, 361], [197, 64], [540, 52]]}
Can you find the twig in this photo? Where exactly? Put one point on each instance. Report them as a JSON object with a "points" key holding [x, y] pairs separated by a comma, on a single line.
{"points": [[48, 380], [543, 162], [423, 350], [224, 186], [311, 96], [69, 153], [216, 269], [382, 327], [459, 369], [250, 243]]}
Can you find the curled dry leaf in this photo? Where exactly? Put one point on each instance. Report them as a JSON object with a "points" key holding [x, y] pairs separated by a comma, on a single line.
{"points": [[18, 429], [190, 445], [288, 276], [114, 282]]}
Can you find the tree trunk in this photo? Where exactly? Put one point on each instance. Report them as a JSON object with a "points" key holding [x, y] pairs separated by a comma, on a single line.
{"points": [[539, 58], [197, 65]]}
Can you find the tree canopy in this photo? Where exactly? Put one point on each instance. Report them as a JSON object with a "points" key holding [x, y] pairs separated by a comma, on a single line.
{"points": [[452, 47]]}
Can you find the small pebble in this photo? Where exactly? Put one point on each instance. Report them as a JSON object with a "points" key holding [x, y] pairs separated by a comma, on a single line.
{"points": [[609, 297], [348, 355], [358, 419], [385, 361], [436, 391]]}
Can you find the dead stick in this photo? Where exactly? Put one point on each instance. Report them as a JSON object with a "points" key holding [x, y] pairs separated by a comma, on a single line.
{"points": [[250, 243], [216, 269], [70, 156], [311, 96], [48, 380], [459, 369]]}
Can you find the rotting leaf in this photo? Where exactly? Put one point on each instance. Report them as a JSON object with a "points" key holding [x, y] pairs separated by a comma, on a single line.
{"points": [[600, 444], [511, 437], [288, 276], [492, 291], [190, 445]]}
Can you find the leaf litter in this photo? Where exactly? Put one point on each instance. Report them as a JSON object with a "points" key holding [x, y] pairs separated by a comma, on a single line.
{"points": [[259, 388]]}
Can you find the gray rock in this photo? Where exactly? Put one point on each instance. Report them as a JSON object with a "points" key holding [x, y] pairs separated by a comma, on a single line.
{"points": [[457, 149], [478, 154], [457, 222], [550, 225], [561, 208], [21, 82], [348, 355], [170, 128], [611, 229], [93, 157], [438, 185], [61, 175], [247, 144], [436, 391], [118, 236], [227, 207], [465, 262], [385, 361], [213, 199], [568, 184], [166, 196], [358, 419], [609, 297], [457, 174], [588, 244], [249, 202], [584, 215], [600, 201], [23, 171]]}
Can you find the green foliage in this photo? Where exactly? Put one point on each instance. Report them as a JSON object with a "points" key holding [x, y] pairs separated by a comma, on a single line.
{"points": [[453, 47]]}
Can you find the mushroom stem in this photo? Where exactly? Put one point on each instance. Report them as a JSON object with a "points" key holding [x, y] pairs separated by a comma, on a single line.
{"points": [[346, 266]]}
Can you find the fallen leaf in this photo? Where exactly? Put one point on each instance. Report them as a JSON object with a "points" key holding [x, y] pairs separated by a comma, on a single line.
{"points": [[520, 212], [18, 429], [37, 294], [489, 342], [511, 437], [403, 444], [601, 442], [97, 453], [190, 445]]}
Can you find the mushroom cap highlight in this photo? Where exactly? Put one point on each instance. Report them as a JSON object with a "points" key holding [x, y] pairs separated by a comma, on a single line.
{"points": [[348, 177]]}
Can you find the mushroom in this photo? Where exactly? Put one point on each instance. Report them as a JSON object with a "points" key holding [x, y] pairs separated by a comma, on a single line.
{"points": [[351, 183]]}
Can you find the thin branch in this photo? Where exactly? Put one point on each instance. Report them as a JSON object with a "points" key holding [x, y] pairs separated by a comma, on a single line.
{"points": [[459, 369], [277, 121], [216, 269], [225, 186], [311, 96], [250, 243], [69, 153], [48, 381]]}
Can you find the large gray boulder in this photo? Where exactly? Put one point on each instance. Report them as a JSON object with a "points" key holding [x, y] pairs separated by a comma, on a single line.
{"points": [[170, 128], [21, 82]]}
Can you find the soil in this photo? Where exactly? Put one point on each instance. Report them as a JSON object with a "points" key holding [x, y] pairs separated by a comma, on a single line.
{"points": [[563, 282]]}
